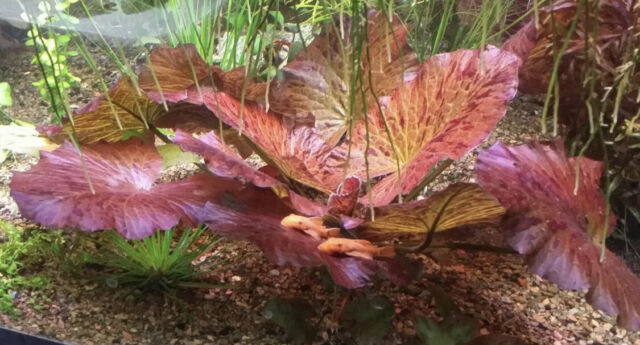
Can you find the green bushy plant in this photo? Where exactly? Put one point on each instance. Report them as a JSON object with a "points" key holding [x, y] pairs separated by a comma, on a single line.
{"points": [[51, 57], [159, 262]]}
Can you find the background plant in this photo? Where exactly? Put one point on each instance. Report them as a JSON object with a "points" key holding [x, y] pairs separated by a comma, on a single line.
{"points": [[52, 53]]}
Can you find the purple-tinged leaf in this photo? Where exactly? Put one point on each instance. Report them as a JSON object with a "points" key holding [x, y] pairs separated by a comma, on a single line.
{"points": [[57, 191], [240, 213], [559, 225], [221, 159]]}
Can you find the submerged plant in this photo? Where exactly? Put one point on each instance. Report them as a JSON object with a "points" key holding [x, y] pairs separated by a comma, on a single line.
{"points": [[557, 218], [18, 251], [416, 116], [161, 261], [51, 57]]}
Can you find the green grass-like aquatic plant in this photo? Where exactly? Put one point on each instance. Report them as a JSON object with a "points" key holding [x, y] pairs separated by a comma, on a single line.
{"points": [[159, 262]]}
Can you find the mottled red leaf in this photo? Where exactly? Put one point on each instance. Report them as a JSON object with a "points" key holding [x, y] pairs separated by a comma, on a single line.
{"points": [[448, 109], [297, 151], [559, 225], [57, 191], [451, 106], [171, 71], [317, 83], [343, 201], [609, 41], [458, 205], [240, 213], [221, 159], [177, 74]]}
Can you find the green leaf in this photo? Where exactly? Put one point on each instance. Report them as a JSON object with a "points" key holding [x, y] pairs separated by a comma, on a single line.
{"points": [[5, 95], [173, 155], [128, 134], [369, 319], [293, 315], [432, 333], [456, 328], [278, 17]]}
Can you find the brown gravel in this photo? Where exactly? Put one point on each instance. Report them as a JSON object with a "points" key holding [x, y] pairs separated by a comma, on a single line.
{"points": [[496, 288]]}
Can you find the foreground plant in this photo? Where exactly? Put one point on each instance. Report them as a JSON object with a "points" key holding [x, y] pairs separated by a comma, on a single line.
{"points": [[159, 262], [19, 251]]}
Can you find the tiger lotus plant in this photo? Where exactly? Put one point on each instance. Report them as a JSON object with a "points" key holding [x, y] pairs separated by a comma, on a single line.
{"points": [[343, 111]]}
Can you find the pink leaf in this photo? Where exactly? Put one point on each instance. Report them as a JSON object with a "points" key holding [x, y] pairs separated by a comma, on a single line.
{"points": [[56, 191], [557, 230], [221, 159]]}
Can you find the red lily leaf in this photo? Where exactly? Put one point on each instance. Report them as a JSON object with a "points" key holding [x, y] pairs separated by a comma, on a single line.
{"points": [[126, 110], [240, 214], [298, 152], [557, 225], [451, 106], [221, 159], [176, 74], [57, 192], [172, 70], [344, 200], [613, 18], [317, 82], [458, 205], [523, 41]]}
